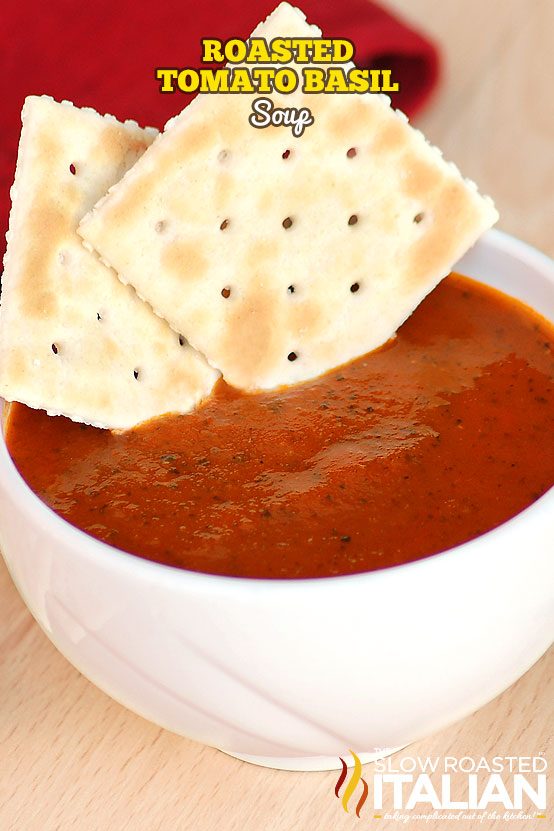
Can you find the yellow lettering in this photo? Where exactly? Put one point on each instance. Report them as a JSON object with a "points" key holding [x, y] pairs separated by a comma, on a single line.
{"points": [[258, 51], [211, 51], [263, 78], [241, 81], [387, 86], [302, 47], [280, 50], [314, 80], [286, 80], [235, 50], [336, 80], [188, 80], [214, 80], [358, 80], [375, 85], [167, 76], [321, 50], [343, 50]]}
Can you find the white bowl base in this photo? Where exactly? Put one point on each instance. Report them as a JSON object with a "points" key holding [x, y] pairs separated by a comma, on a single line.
{"points": [[312, 763]]}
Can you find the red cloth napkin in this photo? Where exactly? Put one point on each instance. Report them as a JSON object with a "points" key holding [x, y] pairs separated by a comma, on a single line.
{"points": [[102, 54]]}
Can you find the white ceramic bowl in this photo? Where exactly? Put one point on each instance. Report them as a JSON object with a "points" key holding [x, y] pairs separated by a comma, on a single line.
{"points": [[292, 674]]}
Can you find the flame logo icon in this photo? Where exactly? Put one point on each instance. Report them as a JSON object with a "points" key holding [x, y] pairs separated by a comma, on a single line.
{"points": [[352, 784]]}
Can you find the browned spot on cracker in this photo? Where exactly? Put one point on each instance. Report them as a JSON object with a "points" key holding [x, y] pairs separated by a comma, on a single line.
{"points": [[266, 199], [176, 205], [291, 195], [192, 139], [252, 332], [391, 137], [111, 349], [15, 367], [158, 348], [48, 153], [98, 397], [344, 123], [260, 253], [46, 228], [184, 260], [39, 304], [439, 241], [231, 117], [113, 144], [421, 178], [306, 317]]}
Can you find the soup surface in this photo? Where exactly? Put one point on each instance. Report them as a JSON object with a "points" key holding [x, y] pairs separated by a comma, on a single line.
{"points": [[439, 436]]}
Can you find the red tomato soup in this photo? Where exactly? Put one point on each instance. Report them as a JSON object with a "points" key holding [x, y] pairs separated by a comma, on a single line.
{"points": [[439, 436]]}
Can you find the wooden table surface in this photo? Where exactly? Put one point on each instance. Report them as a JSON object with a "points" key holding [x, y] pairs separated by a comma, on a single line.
{"points": [[70, 758]]}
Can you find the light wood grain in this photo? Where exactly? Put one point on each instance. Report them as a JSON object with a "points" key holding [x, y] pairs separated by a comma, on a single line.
{"points": [[493, 114], [70, 758]]}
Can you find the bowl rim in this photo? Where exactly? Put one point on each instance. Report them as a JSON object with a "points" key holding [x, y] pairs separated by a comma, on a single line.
{"points": [[123, 561]]}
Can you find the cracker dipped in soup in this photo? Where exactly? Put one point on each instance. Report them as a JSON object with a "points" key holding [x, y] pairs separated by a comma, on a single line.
{"points": [[245, 357]]}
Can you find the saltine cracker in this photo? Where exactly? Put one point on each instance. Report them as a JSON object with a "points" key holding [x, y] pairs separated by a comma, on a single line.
{"points": [[73, 339], [281, 257]]}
